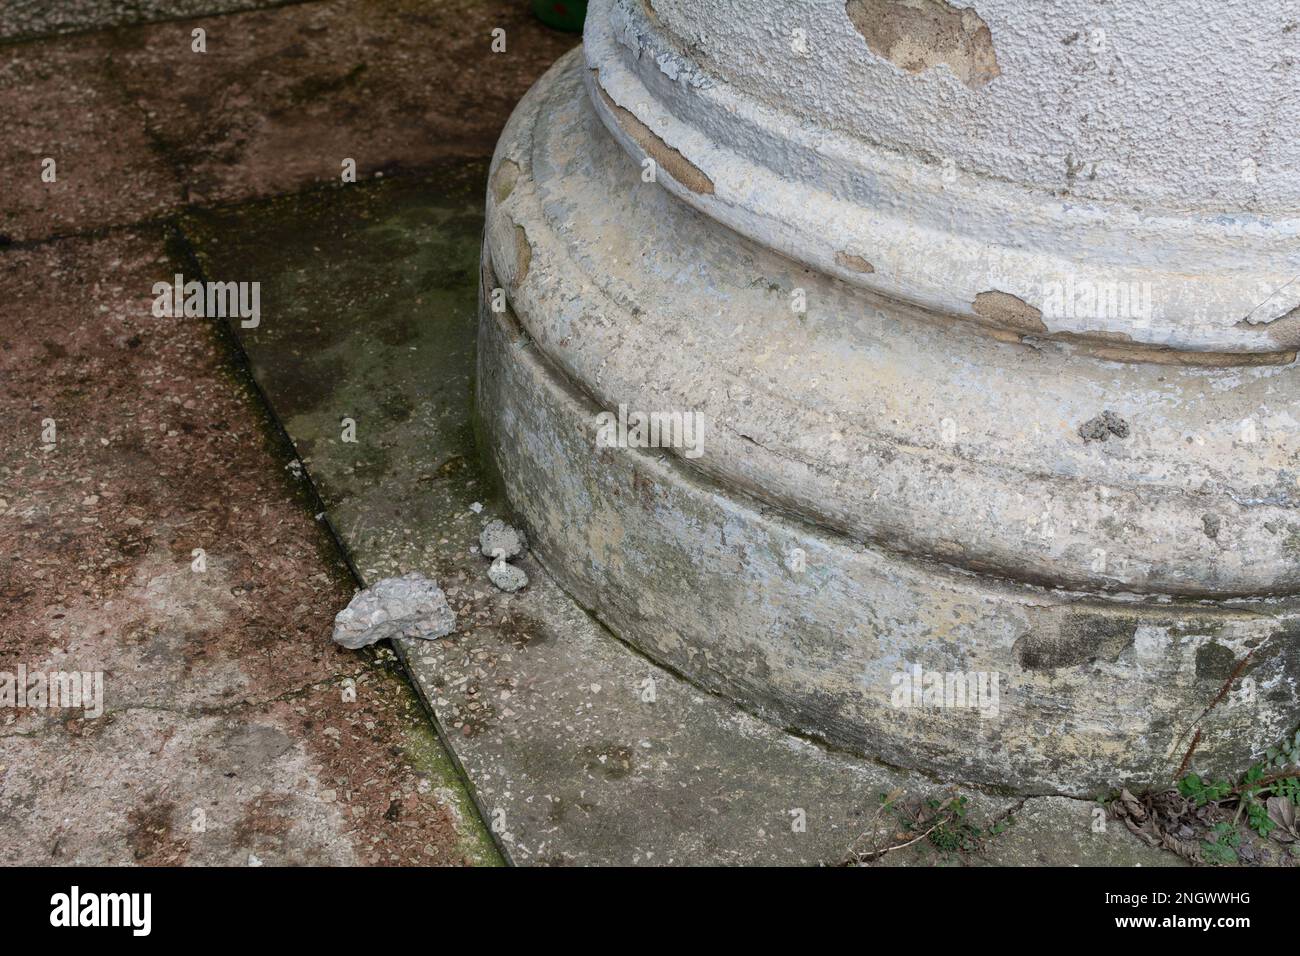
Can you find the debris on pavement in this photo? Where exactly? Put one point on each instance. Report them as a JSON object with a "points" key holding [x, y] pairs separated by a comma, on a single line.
{"points": [[500, 542], [409, 606], [506, 576], [497, 536]]}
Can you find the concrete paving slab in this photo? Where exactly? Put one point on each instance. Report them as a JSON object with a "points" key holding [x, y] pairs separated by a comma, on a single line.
{"points": [[578, 749], [283, 96], [60, 102], [28, 19], [150, 534]]}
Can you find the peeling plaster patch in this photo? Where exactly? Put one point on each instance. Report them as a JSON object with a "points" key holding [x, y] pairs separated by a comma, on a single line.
{"points": [[523, 254], [671, 63], [504, 179], [918, 35], [1092, 336], [1284, 330], [1202, 359], [856, 263], [1119, 347], [668, 159], [1008, 310]]}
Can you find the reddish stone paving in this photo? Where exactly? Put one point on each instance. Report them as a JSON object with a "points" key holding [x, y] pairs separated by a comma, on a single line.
{"points": [[139, 124], [59, 101], [224, 697], [230, 734], [282, 97]]}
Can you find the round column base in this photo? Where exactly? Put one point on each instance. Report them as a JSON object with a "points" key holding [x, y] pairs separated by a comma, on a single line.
{"points": [[726, 568]]}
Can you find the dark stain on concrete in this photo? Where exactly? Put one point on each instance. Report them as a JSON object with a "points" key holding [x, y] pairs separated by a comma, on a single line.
{"points": [[1215, 662], [304, 384], [150, 833], [397, 407], [396, 333], [1080, 639], [613, 762], [518, 629]]}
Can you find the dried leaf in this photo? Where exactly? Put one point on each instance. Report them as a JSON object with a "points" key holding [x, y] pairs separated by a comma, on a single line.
{"points": [[1283, 812]]}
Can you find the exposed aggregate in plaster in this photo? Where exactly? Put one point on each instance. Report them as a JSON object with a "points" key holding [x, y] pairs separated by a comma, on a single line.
{"points": [[1284, 331], [670, 159], [855, 262], [1009, 310]]}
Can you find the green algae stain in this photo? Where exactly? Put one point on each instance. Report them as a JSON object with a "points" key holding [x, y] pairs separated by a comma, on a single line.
{"points": [[427, 755]]}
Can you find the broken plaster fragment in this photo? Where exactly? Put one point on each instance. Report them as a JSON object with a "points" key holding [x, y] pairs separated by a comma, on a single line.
{"points": [[499, 536], [409, 606], [506, 576]]}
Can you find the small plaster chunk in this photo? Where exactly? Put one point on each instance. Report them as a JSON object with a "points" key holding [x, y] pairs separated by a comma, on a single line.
{"points": [[1103, 427], [409, 606], [499, 536], [500, 542], [506, 576]]}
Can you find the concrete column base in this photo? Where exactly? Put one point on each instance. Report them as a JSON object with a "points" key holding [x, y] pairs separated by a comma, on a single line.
{"points": [[880, 490]]}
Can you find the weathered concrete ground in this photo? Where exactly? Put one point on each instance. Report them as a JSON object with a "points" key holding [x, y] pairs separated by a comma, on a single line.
{"points": [[233, 730], [140, 125], [230, 734], [578, 750]]}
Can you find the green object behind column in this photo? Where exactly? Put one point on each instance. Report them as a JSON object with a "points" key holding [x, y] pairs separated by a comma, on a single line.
{"points": [[561, 14]]}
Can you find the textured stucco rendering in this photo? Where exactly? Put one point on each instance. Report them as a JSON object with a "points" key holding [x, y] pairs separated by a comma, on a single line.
{"points": [[1085, 156]]}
